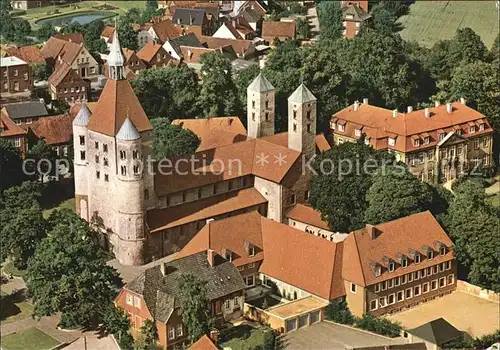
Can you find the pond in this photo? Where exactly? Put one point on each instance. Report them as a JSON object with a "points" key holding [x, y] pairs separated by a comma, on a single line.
{"points": [[80, 17]]}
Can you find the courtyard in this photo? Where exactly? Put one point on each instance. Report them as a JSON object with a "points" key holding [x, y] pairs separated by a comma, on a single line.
{"points": [[466, 312]]}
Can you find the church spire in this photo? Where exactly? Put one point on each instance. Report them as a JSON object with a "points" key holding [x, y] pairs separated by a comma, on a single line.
{"points": [[115, 58]]}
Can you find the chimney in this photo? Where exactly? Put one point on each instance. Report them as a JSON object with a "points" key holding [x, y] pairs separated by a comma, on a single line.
{"points": [[437, 103], [365, 101], [449, 109], [371, 230], [214, 335], [211, 257], [427, 113], [409, 109], [394, 113], [178, 21], [462, 101], [356, 105], [191, 20], [163, 268], [69, 39]]}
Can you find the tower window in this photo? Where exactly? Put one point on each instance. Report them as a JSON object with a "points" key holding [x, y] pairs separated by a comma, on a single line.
{"points": [[97, 159], [267, 116], [135, 154], [96, 145], [82, 140], [294, 114], [253, 116], [253, 104], [308, 114], [123, 170], [123, 155], [98, 174], [136, 169], [295, 127], [267, 103], [82, 155], [106, 177], [308, 127], [105, 147]]}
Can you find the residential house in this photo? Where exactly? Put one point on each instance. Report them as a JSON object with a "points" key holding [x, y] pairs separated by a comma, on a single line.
{"points": [[154, 295], [133, 64], [354, 16], [438, 144], [244, 49], [16, 74], [240, 7], [164, 31], [173, 46], [272, 30], [52, 49], [65, 84], [143, 34], [194, 21], [56, 131], [154, 56], [30, 54], [236, 28], [204, 343], [25, 113], [253, 17], [107, 34], [13, 133]]}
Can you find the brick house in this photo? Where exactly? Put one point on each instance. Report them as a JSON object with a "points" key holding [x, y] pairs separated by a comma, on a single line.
{"points": [[354, 16], [154, 56], [25, 113], [438, 144], [14, 134], [190, 20], [244, 49], [272, 30], [164, 31], [236, 28], [56, 131], [29, 53], [154, 295], [65, 84], [16, 75]]}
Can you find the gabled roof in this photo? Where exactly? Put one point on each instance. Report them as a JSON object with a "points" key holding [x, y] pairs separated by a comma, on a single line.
{"points": [[273, 29], [72, 37], [26, 109], [193, 54], [203, 127], [161, 293], [240, 46], [56, 43], [148, 51], [8, 127], [436, 332], [30, 53], [70, 51], [166, 30], [117, 102], [189, 16], [302, 95], [204, 343], [108, 31], [251, 15], [354, 10], [11, 61], [128, 131], [260, 84], [60, 72], [184, 40], [56, 129], [307, 215]]}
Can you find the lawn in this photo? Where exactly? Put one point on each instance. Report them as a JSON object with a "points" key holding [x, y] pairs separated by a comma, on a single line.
{"points": [[495, 200], [430, 21], [242, 337], [28, 339], [9, 268], [69, 204], [14, 308], [270, 301]]}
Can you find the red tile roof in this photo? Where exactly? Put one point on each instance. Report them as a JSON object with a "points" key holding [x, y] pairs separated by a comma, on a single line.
{"points": [[166, 30], [193, 54], [393, 238], [117, 102], [162, 219], [55, 129], [204, 343], [8, 127], [203, 127], [72, 38], [30, 54], [108, 31], [307, 215], [240, 46], [282, 140], [273, 29], [148, 51], [56, 44]]}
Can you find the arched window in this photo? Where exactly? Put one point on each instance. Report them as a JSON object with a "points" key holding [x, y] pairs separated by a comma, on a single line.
{"points": [[123, 170]]}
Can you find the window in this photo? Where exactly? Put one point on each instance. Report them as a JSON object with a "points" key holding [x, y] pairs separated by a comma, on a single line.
{"points": [[408, 293], [72, 89], [136, 169], [267, 104], [92, 70], [98, 174], [228, 304], [427, 140], [135, 154], [251, 251], [416, 142], [341, 127], [476, 143], [391, 266], [308, 127], [441, 267], [373, 305], [267, 116], [392, 141], [430, 155], [441, 136], [430, 254], [308, 114], [390, 283], [236, 302], [383, 285], [292, 198], [129, 299], [421, 157], [123, 155], [400, 296], [253, 116], [410, 277], [137, 302], [448, 265], [353, 288], [16, 72], [472, 129], [306, 195], [123, 170], [458, 131], [404, 261], [178, 330], [378, 271], [377, 287], [82, 140], [485, 142], [425, 287], [251, 265], [434, 285], [357, 132], [229, 256], [295, 127], [294, 114], [105, 147], [403, 279], [391, 299], [442, 250], [29, 120], [105, 162], [250, 280], [106, 177], [434, 269], [171, 332], [82, 155], [429, 271], [417, 258], [416, 275], [96, 145], [416, 291], [382, 302], [481, 127], [97, 159], [450, 279], [442, 282], [397, 281], [423, 273]]}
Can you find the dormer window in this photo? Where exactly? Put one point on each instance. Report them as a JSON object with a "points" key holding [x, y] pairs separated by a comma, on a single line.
{"points": [[416, 142], [442, 250], [392, 141], [472, 129], [417, 258], [427, 140], [392, 266], [341, 127], [378, 270], [458, 131], [441, 136], [430, 254], [404, 262], [357, 132], [229, 256], [481, 127], [332, 125], [251, 251]]}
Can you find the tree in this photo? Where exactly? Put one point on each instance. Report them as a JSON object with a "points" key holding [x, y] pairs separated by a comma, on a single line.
{"points": [[473, 226], [172, 140], [194, 305], [41, 71], [45, 31], [92, 37], [338, 311], [385, 15], [170, 92], [467, 47], [23, 196], [218, 95], [11, 171], [70, 264], [45, 157], [149, 334], [342, 179], [116, 322], [269, 339], [330, 19], [303, 28], [242, 79], [128, 36], [395, 193]]}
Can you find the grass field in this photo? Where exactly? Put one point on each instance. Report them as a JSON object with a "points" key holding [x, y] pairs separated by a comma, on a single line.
{"points": [[242, 337], [69, 203], [430, 21], [28, 339]]}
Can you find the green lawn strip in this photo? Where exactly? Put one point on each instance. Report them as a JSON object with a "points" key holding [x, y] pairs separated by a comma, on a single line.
{"points": [[10, 269], [69, 203], [242, 337], [28, 339]]}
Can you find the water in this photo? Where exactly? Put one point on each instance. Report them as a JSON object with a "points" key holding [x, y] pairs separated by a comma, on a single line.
{"points": [[82, 18]]}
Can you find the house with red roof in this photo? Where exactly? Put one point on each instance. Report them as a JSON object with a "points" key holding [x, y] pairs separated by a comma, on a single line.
{"points": [[65, 84]]}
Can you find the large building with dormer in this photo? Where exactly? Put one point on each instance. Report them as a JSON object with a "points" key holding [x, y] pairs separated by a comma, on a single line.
{"points": [[149, 209]]}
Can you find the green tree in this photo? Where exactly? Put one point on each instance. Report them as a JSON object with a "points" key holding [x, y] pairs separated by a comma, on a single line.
{"points": [[338, 311], [11, 171], [395, 193], [23, 196], [149, 334], [194, 304], [385, 15], [70, 264], [467, 47], [116, 322], [128, 36], [242, 79], [92, 37], [269, 339], [45, 31], [218, 95], [303, 28], [330, 19], [473, 224], [172, 140], [170, 92], [341, 180], [41, 71]]}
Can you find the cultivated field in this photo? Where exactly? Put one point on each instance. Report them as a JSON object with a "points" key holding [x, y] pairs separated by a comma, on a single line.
{"points": [[430, 21]]}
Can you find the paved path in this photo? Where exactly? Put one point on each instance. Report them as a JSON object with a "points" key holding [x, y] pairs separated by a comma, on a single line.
{"points": [[325, 335]]}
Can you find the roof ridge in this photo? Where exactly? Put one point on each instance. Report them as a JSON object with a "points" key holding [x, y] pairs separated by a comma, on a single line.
{"points": [[359, 257]]}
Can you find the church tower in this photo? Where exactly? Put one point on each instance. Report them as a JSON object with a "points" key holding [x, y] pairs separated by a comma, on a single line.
{"points": [[260, 107], [80, 142], [302, 121]]}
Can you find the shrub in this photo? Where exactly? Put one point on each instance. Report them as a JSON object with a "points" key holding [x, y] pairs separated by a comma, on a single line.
{"points": [[269, 339], [463, 342], [487, 340], [379, 325], [337, 311]]}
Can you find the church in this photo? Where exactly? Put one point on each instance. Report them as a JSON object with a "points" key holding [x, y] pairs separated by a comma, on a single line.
{"points": [[146, 213]]}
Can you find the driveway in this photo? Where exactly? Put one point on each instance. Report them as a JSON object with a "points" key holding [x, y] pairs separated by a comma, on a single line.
{"points": [[326, 335]]}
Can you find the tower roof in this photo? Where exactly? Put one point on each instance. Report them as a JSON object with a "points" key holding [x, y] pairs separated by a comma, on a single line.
{"points": [[115, 57], [128, 131], [260, 84], [83, 116], [302, 95]]}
